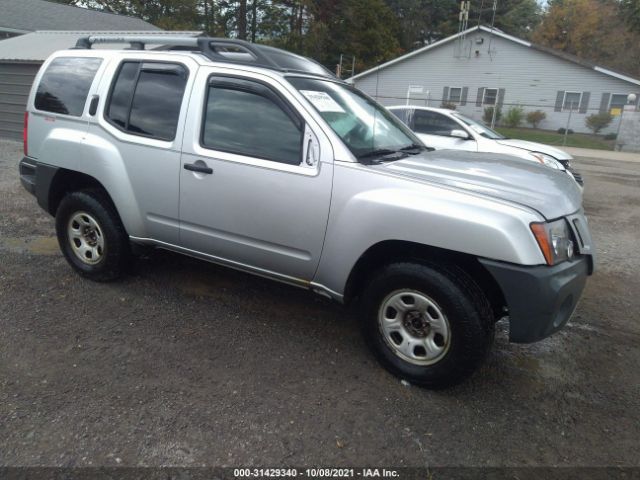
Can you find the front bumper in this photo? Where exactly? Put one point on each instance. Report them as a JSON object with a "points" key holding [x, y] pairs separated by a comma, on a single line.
{"points": [[541, 299]]}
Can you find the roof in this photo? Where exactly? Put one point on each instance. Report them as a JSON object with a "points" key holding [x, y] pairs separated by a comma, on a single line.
{"points": [[499, 33], [31, 15], [37, 46]]}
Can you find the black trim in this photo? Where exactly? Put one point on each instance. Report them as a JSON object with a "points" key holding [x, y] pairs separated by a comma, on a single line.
{"points": [[141, 67], [540, 298], [36, 178]]}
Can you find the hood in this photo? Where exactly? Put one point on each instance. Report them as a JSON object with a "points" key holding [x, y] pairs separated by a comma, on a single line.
{"points": [[536, 147], [551, 192]]}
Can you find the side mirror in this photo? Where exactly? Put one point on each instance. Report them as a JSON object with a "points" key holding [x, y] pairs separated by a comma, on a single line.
{"points": [[461, 134]]}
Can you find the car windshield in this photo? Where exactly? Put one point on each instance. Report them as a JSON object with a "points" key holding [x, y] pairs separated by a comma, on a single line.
{"points": [[367, 128], [479, 128]]}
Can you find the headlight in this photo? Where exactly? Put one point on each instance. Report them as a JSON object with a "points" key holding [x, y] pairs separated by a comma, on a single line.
{"points": [[547, 160], [554, 239]]}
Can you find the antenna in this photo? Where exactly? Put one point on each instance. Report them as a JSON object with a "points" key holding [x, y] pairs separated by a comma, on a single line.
{"points": [[493, 21], [463, 22]]}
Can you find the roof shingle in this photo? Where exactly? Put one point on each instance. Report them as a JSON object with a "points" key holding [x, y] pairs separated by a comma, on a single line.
{"points": [[32, 15]]}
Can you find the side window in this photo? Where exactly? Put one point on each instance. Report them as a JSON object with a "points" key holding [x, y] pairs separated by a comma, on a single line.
{"points": [[248, 118], [146, 99], [65, 85], [433, 123]]}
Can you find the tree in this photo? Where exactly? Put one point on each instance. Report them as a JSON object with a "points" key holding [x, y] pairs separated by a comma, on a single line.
{"points": [[598, 121], [631, 12], [515, 17], [593, 30]]}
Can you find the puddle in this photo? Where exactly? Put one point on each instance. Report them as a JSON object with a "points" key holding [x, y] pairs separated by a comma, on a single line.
{"points": [[37, 245]]}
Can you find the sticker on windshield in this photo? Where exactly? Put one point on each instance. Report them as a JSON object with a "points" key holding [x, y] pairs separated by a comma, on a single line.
{"points": [[322, 101]]}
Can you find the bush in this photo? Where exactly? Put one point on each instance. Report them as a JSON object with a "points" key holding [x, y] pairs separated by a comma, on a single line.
{"points": [[598, 121], [561, 131], [514, 117], [536, 117], [488, 115], [611, 136], [449, 105]]}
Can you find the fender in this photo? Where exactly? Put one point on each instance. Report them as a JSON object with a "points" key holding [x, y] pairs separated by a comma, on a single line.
{"points": [[369, 208]]}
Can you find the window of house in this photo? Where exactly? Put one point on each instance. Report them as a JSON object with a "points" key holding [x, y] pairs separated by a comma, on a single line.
{"points": [[433, 123], [490, 96], [146, 99], [571, 100], [65, 85], [246, 118], [617, 103], [455, 94]]}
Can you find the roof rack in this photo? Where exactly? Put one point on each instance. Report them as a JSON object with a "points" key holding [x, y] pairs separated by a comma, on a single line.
{"points": [[226, 50]]}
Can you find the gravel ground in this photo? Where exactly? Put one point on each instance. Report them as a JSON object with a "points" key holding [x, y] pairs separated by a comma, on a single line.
{"points": [[187, 363]]}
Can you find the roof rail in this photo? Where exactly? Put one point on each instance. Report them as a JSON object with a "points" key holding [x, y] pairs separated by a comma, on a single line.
{"points": [[226, 50]]}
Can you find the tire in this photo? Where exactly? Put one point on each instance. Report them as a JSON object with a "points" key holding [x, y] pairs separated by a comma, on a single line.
{"points": [[91, 235], [441, 329]]}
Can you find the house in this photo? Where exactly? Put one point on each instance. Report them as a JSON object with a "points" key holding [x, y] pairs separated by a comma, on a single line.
{"points": [[21, 57], [482, 67], [18, 17]]}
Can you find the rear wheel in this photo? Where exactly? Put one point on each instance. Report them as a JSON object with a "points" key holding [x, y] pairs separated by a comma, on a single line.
{"points": [[91, 235], [429, 324]]}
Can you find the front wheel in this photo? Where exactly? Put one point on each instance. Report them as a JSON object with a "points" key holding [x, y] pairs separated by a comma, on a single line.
{"points": [[91, 235], [429, 324]]}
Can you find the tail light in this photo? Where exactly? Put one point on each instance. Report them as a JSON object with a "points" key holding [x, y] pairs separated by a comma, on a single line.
{"points": [[25, 133]]}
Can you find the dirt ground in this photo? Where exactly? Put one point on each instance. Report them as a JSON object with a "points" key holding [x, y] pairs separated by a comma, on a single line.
{"points": [[187, 363]]}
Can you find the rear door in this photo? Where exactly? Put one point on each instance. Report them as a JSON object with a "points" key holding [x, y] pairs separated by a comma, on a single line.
{"points": [[256, 176], [140, 118]]}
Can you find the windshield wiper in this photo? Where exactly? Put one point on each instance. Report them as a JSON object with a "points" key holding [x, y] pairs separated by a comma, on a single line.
{"points": [[414, 146], [374, 155]]}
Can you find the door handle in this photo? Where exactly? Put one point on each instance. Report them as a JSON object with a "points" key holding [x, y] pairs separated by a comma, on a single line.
{"points": [[93, 106], [198, 167]]}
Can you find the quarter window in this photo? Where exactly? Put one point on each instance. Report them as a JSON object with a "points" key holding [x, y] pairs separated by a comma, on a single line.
{"points": [[432, 123], [246, 118], [490, 96], [571, 100], [146, 99], [65, 85]]}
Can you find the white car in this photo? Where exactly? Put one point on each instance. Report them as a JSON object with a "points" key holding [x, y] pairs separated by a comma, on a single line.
{"points": [[441, 128]]}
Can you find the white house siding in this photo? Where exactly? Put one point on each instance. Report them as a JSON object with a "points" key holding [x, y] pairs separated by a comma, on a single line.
{"points": [[530, 78]]}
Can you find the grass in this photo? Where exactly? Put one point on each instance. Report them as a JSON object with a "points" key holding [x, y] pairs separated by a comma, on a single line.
{"points": [[550, 137]]}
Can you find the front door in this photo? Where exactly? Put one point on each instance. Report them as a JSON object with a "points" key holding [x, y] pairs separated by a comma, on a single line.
{"points": [[434, 129], [255, 182]]}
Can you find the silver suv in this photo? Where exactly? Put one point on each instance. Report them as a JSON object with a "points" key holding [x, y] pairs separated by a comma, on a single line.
{"points": [[261, 160]]}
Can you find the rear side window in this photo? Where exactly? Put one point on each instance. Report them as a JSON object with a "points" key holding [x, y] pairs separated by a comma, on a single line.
{"points": [[146, 98], [65, 85]]}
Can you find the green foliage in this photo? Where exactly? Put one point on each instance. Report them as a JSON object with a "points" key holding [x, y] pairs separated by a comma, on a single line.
{"points": [[598, 121], [536, 117], [514, 117], [610, 136], [487, 116], [448, 105], [631, 12]]}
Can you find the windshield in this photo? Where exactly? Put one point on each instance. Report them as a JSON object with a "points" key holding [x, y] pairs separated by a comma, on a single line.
{"points": [[367, 128], [479, 128]]}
